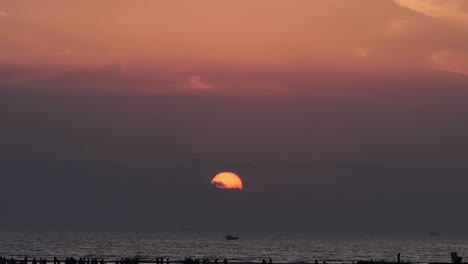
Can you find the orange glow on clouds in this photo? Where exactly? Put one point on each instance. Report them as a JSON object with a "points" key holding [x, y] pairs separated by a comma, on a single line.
{"points": [[227, 180], [362, 33]]}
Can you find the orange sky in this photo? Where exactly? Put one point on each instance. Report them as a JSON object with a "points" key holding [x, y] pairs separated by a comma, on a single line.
{"points": [[366, 33], [187, 42]]}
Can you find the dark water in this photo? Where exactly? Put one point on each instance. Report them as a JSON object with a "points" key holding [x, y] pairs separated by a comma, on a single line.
{"points": [[250, 247]]}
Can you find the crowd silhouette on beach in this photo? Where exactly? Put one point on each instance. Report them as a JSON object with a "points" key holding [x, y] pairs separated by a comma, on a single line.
{"points": [[71, 260]]}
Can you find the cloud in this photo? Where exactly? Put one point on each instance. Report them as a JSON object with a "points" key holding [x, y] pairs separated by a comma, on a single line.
{"points": [[446, 10], [127, 79], [219, 185], [195, 82], [452, 61], [402, 26], [360, 52]]}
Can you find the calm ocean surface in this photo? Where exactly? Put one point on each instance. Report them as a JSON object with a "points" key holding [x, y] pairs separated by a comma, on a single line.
{"points": [[250, 247]]}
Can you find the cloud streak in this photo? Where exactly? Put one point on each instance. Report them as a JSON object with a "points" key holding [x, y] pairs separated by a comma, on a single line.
{"points": [[444, 10], [196, 83], [219, 185], [452, 61]]}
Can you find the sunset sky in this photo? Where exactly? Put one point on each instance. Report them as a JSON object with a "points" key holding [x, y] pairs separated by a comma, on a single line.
{"points": [[363, 101], [178, 41]]}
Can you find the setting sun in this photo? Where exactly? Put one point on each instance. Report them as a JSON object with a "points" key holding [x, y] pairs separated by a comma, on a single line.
{"points": [[227, 180]]}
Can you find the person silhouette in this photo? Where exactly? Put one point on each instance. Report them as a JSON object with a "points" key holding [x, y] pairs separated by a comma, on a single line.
{"points": [[225, 261], [263, 261], [270, 261]]}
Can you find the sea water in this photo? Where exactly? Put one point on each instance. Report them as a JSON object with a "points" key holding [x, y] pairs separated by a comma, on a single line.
{"points": [[249, 248]]}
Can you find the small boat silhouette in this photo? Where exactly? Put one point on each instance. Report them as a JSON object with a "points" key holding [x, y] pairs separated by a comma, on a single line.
{"points": [[230, 237]]}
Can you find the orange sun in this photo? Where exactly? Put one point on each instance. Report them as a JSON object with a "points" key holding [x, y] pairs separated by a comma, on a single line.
{"points": [[227, 180]]}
